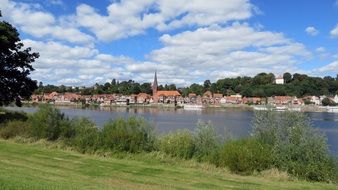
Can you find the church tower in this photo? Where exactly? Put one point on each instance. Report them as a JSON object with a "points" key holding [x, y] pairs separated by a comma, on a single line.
{"points": [[154, 88]]}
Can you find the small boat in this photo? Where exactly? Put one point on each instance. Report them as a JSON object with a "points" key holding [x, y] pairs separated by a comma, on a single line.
{"points": [[280, 108], [297, 109], [260, 108], [192, 107]]}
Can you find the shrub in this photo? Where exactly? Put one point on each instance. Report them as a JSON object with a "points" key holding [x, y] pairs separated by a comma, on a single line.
{"points": [[244, 156], [265, 126], [297, 147], [206, 141], [6, 116], [48, 122], [328, 102], [87, 135], [14, 128], [178, 144], [130, 135]]}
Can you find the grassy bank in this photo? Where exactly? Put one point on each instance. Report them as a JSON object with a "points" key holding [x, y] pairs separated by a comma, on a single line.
{"points": [[34, 166]]}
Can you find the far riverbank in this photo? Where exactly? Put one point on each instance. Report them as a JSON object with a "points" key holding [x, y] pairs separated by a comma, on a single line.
{"points": [[302, 108]]}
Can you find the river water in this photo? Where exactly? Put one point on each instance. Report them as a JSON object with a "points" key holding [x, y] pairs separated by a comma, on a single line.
{"points": [[235, 123]]}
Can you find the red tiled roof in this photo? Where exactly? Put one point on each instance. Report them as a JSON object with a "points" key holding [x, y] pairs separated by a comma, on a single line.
{"points": [[143, 95], [71, 96], [229, 98], [283, 98], [217, 95], [168, 93]]}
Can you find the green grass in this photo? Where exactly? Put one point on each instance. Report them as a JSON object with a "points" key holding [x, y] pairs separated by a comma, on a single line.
{"points": [[35, 166]]}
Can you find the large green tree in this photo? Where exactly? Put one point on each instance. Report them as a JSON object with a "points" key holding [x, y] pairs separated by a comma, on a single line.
{"points": [[15, 66], [287, 77]]}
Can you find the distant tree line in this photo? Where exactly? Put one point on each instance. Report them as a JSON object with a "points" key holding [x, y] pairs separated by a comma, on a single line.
{"points": [[123, 87], [261, 85]]}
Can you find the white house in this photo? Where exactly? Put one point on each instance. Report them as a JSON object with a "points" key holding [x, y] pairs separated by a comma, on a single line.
{"points": [[223, 100], [279, 80], [315, 100]]}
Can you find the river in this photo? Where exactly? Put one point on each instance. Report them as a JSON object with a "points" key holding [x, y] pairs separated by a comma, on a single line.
{"points": [[227, 122]]}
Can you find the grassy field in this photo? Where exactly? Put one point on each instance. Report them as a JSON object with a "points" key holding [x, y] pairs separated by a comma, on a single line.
{"points": [[29, 166]]}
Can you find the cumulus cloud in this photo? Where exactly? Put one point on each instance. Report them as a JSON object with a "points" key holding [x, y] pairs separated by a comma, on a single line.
{"points": [[334, 31], [320, 50], [329, 67], [192, 56], [30, 19], [72, 65], [229, 51], [323, 54], [77, 65], [312, 31], [161, 15]]}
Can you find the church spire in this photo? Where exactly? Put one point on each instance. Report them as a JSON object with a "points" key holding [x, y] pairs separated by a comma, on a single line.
{"points": [[154, 87]]}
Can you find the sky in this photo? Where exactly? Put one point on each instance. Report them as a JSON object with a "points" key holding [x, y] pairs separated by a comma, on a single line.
{"points": [[83, 42]]}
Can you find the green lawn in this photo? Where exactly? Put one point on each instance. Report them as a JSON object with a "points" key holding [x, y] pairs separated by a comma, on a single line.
{"points": [[27, 166]]}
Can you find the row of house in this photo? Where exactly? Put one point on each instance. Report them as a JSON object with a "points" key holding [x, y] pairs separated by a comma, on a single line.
{"points": [[174, 97]]}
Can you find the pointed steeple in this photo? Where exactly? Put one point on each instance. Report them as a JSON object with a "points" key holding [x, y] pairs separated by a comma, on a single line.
{"points": [[154, 86]]}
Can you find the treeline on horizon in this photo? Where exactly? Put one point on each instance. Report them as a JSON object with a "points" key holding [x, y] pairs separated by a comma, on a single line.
{"points": [[261, 85]]}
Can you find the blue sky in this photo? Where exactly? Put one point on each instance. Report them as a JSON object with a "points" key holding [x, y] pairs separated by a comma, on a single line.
{"points": [[83, 42]]}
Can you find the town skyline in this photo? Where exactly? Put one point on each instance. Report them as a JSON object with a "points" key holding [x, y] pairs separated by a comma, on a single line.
{"points": [[85, 42]]}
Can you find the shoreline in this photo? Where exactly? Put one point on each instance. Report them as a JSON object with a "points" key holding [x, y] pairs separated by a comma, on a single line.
{"points": [[304, 108]]}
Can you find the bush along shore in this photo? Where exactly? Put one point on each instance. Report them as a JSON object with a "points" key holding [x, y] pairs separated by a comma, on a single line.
{"points": [[280, 141]]}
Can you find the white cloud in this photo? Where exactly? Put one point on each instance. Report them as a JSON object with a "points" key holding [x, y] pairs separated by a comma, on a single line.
{"points": [[32, 20], [334, 31], [323, 54], [329, 67], [76, 65], [192, 56], [130, 18], [320, 50], [312, 31], [148, 66], [69, 81], [53, 49], [118, 60], [70, 65], [228, 51]]}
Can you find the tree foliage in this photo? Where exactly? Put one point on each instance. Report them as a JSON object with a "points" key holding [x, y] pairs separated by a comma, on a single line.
{"points": [[263, 85], [296, 146], [15, 66], [328, 102]]}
